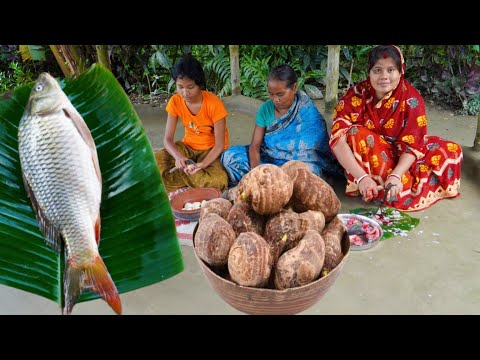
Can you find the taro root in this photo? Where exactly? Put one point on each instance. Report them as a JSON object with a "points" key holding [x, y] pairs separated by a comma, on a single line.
{"points": [[232, 195], [308, 220], [332, 235], [293, 226], [293, 165], [217, 206], [284, 224], [312, 220], [249, 260], [266, 188], [243, 219], [214, 239], [311, 192], [302, 264]]}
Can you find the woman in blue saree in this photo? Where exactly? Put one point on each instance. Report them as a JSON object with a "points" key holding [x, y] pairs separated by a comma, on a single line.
{"points": [[288, 127]]}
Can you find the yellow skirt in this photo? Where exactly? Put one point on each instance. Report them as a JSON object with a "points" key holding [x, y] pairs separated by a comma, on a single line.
{"points": [[213, 176]]}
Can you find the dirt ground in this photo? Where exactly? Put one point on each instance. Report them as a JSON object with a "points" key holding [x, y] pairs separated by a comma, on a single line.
{"points": [[437, 113], [441, 121], [433, 270]]}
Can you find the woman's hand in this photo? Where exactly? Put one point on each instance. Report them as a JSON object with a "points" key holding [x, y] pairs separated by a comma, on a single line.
{"points": [[396, 188], [368, 188], [193, 169], [181, 162], [256, 143]]}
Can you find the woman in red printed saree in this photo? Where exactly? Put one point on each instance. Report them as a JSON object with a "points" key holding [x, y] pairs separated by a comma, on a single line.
{"points": [[379, 136]]}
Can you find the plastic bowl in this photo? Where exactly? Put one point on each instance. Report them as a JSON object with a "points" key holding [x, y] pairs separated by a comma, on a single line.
{"points": [[260, 301], [191, 195]]}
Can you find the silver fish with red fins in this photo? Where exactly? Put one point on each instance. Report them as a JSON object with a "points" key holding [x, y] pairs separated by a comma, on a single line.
{"points": [[62, 178]]}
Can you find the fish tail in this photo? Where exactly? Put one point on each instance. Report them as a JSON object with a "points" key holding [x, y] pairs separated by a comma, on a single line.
{"points": [[94, 276]]}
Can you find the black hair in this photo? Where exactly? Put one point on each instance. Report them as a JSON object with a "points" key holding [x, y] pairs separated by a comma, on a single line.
{"points": [[382, 52], [283, 73], [189, 67]]}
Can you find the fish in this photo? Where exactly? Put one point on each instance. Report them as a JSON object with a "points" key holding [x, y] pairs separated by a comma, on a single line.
{"points": [[62, 178]]}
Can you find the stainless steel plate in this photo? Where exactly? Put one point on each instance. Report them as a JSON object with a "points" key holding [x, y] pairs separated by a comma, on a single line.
{"points": [[368, 245]]}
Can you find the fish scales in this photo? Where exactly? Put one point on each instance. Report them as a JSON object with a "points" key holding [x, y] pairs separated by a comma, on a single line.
{"points": [[69, 193], [62, 178]]}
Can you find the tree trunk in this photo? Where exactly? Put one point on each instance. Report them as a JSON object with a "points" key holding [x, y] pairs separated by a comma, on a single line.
{"points": [[74, 59], [235, 69], [476, 143], [331, 96], [102, 55], [60, 60]]}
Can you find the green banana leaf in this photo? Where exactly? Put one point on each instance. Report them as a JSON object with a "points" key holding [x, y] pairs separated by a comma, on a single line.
{"points": [[401, 221], [139, 243]]}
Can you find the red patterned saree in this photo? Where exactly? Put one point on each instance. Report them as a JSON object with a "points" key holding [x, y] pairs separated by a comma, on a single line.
{"points": [[378, 133]]}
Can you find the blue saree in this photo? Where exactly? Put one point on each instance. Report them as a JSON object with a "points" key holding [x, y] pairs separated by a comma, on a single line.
{"points": [[300, 134]]}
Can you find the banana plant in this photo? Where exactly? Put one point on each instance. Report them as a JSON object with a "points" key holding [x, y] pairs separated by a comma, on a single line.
{"points": [[138, 241]]}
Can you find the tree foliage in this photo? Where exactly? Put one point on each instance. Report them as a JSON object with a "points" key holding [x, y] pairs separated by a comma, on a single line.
{"points": [[448, 74]]}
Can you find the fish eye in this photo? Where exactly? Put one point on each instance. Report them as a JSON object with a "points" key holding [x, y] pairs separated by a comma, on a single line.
{"points": [[39, 87]]}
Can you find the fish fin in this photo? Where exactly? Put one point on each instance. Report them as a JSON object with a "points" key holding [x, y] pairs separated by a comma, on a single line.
{"points": [[97, 229], [73, 284], [86, 135], [51, 235], [93, 276]]}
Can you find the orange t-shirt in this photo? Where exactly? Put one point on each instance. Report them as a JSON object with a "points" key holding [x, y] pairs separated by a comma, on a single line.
{"points": [[199, 131]]}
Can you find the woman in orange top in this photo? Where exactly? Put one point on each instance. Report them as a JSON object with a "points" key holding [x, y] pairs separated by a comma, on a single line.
{"points": [[379, 136], [206, 135]]}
